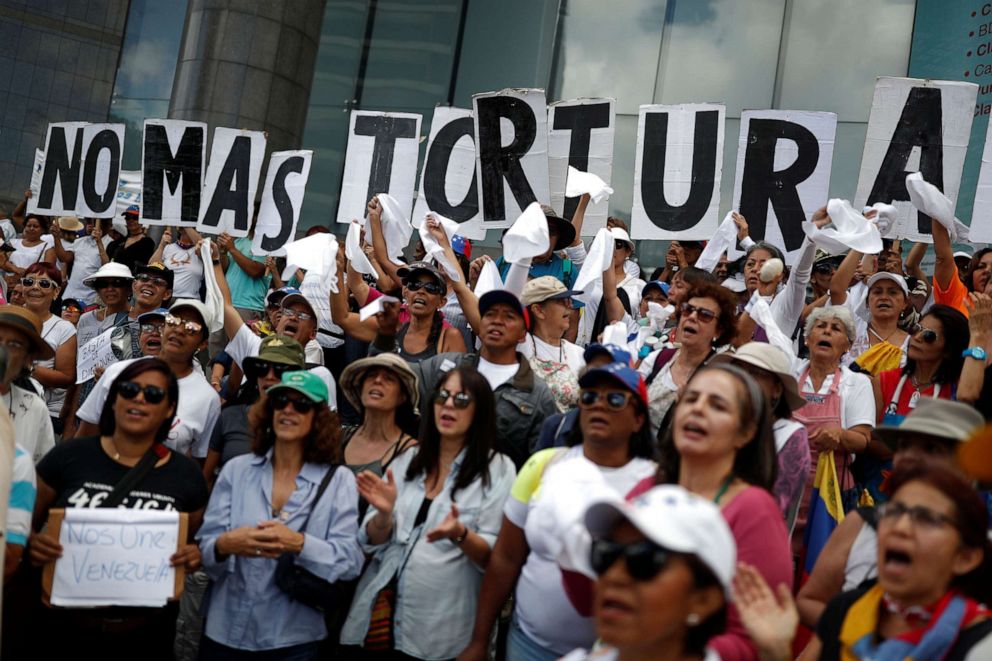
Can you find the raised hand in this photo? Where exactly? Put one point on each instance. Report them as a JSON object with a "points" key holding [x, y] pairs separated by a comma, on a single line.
{"points": [[770, 622], [742, 226], [374, 209], [380, 494]]}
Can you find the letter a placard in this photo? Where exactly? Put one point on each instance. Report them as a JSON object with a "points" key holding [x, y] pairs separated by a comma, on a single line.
{"points": [[232, 177]]}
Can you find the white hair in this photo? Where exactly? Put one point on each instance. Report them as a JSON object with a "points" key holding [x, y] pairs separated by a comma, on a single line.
{"points": [[839, 312]]}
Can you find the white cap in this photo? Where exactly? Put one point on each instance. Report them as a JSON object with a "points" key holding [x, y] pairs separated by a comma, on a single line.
{"points": [[962, 253], [199, 306], [676, 520], [894, 277], [620, 234]]}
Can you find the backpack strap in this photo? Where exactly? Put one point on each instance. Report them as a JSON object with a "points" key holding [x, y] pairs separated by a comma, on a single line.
{"points": [[663, 359], [134, 476]]}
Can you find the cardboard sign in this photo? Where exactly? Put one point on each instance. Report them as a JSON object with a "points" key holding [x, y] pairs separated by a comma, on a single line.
{"points": [[232, 177], [383, 148], [115, 557], [981, 215], [282, 200], [783, 173], [448, 181], [103, 145], [915, 126], [58, 186], [677, 169], [511, 140], [580, 134], [37, 171], [172, 161], [98, 352]]}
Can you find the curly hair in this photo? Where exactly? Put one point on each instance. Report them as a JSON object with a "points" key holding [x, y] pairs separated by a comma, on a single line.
{"points": [[321, 446], [726, 321]]}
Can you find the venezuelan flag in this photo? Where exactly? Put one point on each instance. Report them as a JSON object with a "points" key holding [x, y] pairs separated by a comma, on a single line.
{"points": [[826, 510]]}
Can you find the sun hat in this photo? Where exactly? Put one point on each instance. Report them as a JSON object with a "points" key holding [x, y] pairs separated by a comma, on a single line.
{"points": [[306, 383], [280, 349], [27, 322], [70, 223], [107, 271], [565, 229], [620, 373], [676, 520], [354, 374], [620, 234], [941, 418], [771, 359], [546, 288]]}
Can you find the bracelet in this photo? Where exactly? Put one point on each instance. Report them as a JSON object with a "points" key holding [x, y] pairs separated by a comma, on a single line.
{"points": [[461, 538]]}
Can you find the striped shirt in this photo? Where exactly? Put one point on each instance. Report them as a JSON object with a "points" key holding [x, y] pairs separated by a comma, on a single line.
{"points": [[22, 493]]}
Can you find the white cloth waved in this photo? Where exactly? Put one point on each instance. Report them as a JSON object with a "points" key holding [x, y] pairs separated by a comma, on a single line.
{"points": [[528, 236], [433, 248], [724, 241], [927, 198], [489, 279], [579, 183], [353, 250], [761, 312], [317, 253], [214, 298], [599, 258], [849, 230], [396, 228]]}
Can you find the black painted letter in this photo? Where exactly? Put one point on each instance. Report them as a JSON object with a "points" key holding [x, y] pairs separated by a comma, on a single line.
{"points": [[385, 130], [499, 162], [161, 166], [436, 170], [580, 120]]}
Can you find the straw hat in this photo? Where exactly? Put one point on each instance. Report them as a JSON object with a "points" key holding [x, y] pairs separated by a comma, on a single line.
{"points": [[354, 374], [26, 322]]}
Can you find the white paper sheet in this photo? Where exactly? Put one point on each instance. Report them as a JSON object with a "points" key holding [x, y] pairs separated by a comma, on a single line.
{"points": [[375, 307], [98, 352]]}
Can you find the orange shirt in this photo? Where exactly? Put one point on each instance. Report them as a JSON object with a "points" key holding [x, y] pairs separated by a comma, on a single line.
{"points": [[954, 296]]}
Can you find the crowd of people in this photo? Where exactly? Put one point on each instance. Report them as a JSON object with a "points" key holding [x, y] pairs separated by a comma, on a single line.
{"points": [[563, 455]]}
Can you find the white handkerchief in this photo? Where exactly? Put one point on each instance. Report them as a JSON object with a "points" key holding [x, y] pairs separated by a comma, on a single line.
{"points": [[886, 217], [396, 227], [528, 237], [433, 248], [353, 250], [724, 241], [309, 253], [927, 198], [579, 183], [600, 257], [658, 314], [616, 333], [849, 230], [489, 279], [761, 312], [214, 299], [375, 307]]}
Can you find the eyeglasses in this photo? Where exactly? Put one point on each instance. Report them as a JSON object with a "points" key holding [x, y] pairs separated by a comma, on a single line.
{"points": [[118, 283], [41, 282], [615, 400], [191, 327], [293, 314], [155, 280], [461, 400], [928, 335], [258, 368], [428, 286], [701, 313], [925, 517], [299, 404], [130, 390], [644, 560], [71, 308], [148, 327]]}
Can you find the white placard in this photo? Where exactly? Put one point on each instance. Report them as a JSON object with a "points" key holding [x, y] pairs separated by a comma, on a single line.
{"points": [[228, 198], [100, 170], [783, 173], [115, 556], [981, 215], [58, 186], [383, 148], [678, 163], [914, 125], [98, 352], [36, 172], [511, 142], [282, 200], [173, 158], [580, 134], [448, 182]]}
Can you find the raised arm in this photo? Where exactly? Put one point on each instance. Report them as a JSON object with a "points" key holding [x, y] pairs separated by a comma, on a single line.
{"points": [[349, 321], [166, 239], [944, 268], [913, 260], [379, 240], [980, 324], [579, 216], [614, 306]]}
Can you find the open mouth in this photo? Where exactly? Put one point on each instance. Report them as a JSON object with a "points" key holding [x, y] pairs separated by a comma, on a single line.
{"points": [[896, 560], [154, 343], [291, 328], [133, 412], [690, 330], [419, 302], [612, 607], [825, 344], [447, 419], [693, 430], [147, 292]]}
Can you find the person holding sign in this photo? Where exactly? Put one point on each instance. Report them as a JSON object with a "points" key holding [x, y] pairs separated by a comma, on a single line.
{"points": [[288, 497], [135, 248], [125, 465], [35, 245], [181, 257], [20, 335]]}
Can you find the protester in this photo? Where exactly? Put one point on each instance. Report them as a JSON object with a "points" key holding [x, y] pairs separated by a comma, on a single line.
{"points": [[35, 245], [87, 254], [134, 422], [111, 285], [614, 435], [431, 527], [948, 288], [286, 499], [135, 248], [183, 259], [20, 505], [21, 336], [72, 309]]}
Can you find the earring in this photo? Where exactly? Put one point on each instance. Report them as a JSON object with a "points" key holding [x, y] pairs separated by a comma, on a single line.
{"points": [[692, 620]]}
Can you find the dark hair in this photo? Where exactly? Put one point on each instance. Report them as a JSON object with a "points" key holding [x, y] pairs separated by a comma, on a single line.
{"points": [[44, 221], [318, 229], [756, 462], [47, 270], [641, 443], [975, 261], [970, 520], [954, 327], [480, 439], [601, 321], [108, 422], [771, 249], [698, 636], [692, 276], [726, 321], [321, 446], [463, 264]]}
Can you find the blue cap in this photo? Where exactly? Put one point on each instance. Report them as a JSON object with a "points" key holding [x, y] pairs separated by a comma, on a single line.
{"points": [[617, 354], [276, 295], [663, 286], [156, 313], [491, 298], [622, 374], [134, 209]]}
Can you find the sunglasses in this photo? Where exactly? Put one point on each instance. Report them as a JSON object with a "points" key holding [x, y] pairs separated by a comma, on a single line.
{"points": [[293, 314], [31, 282], [155, 280], [191, 327], [615, 400], [71, 308], [644, 559], [151, 328], [923, 516], [130, 390], [429, 286], [299, 404], [119, 283], [928, 335], [701, 313], [461, 400], [259, 368]]}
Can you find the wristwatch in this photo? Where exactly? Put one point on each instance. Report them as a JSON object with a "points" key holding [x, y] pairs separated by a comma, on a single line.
{"points": [[978, 353], [461, 538]]}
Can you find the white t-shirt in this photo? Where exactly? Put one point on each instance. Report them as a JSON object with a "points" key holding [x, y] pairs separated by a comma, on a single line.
{"points": [[495, 374], [612, 654], [8, 229], [317, 290], [196, 412], [55, 332], [857, 396], [32, 425], [187, 269], [571, 354], [85, 263], [25, 256], [246, 344]]}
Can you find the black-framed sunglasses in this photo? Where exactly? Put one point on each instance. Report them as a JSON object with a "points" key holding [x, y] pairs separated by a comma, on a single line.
{"points": [[155, 280], [117, 283], [892, 511], [928, 335], [299, 404], [615, 400], [190, 327], [702, 313], [429, 286], [258, 368], [44, 283], [130, 390], [644, 559], [461, 400]]}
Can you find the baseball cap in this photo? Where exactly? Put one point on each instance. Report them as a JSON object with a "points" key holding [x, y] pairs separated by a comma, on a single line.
{"points": [[616, 353], [133, 210], [663, 287], [280, 349], [157, 313], [73, 302], [620, 373], [676, 520], [951, 421], [309, 385], [296, 296], [461, 245], [157, 269], [964, 254], [771, 359], [275, 296], [196, 305], [894, 277], [416, 268], [546, 288], [494, 296]]}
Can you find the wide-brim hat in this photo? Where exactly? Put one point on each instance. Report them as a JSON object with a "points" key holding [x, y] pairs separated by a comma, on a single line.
{"points": [[354, 374], [26, 322], [771, 359], [70, 223], [107, 271], [940, 418], [565, 229], [546, 288]]}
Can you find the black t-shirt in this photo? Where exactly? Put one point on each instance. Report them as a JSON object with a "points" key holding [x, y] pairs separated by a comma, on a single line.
{"points": [[82, 475], [232, 435], [984, 403], [830, 624], [138, 252]]}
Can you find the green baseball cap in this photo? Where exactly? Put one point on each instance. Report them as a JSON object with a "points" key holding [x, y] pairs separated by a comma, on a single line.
{"points": [[280, 349], [309, 385]]}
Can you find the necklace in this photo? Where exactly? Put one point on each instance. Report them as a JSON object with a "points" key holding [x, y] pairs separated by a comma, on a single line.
{"points": [[918, 385], [723, 488], [880, 338]]}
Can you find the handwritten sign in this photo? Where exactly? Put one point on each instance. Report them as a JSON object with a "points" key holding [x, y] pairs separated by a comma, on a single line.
{"points": [[98, 352], [115, 557]]}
